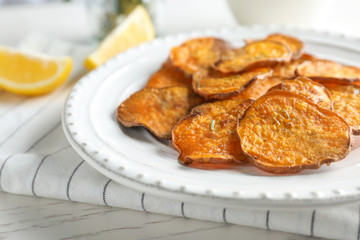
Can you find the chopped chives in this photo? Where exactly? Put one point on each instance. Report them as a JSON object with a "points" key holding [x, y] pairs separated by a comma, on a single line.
{"points": [[288, 116], [276, 120], [212, 125]]}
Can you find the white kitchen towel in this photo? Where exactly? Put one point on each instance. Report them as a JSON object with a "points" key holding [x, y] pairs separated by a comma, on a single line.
{"points": [[36, 159]]}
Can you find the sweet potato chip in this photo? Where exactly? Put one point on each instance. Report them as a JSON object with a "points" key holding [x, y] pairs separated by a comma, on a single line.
{"points": [[346, 100], [199, 53], [212, 84], [257, 54], [287, 70], [328, 71], [169, 76], [208, 134], [258, 88], [313, 91], [157, 109], [296, 46], [283, 132]]}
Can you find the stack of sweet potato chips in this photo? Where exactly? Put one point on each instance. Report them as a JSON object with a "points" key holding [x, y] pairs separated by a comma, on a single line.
{"points": [[267, 104]]}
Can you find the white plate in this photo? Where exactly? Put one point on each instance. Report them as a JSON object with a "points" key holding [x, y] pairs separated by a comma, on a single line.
{"points": [[133, 157]]}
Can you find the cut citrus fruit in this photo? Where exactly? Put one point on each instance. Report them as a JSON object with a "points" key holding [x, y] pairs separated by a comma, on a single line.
{"points": [[136, 28], [30, 73]]}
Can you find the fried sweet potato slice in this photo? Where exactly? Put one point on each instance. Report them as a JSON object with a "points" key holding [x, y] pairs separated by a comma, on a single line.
{"points": [[283, 132], [256, 54], [313, 91], [346, 100], [296, 46], [157, 109], [287, 70], [212, 84], [198, 53], [169, 76], [258, 88], [328, 71], [207, 136]]}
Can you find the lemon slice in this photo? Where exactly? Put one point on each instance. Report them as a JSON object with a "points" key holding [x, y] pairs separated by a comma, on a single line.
{"points": [[28, 73], [135, 29]]}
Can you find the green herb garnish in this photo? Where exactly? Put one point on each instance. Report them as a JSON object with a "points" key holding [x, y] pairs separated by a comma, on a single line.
{"points": [[288, 116], [276, 120], [212, 125]]}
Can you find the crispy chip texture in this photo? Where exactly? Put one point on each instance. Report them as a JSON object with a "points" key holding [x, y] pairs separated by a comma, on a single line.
{"points": [[287, 70], [208, 134], [313, 91], [256, 54], [169, 76], [157, 109], [325, 70], [258, 88], [267, 103], [296, 46], [283, 132], [212, 84], [346, 100], [198, 53]]}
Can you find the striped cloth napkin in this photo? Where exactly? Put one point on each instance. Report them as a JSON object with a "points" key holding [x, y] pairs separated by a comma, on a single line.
{"points": [[36, 159]]}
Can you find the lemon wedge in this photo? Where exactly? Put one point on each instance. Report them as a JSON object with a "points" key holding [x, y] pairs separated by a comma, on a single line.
{"points": [[29, 73], [135, 29]]}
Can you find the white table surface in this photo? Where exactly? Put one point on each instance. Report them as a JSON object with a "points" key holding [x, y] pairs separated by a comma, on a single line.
{"points": [[24, 217]]}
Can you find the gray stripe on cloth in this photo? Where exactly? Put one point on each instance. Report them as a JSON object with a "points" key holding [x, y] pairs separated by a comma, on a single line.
{"points": [[40, 164], [267, 220], [312, 226], [104, 192], [70, 178], [183, 209], [142, 202]]}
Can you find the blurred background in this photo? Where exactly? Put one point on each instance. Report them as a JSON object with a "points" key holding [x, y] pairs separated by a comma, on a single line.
{"points": [[75, 20]]}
